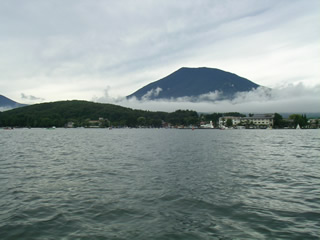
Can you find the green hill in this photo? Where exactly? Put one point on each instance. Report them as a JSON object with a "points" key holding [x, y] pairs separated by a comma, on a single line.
{"points": [[83, 113]]}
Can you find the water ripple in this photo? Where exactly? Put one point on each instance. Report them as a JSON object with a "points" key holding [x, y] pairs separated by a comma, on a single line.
{"points": [[159, 184]]}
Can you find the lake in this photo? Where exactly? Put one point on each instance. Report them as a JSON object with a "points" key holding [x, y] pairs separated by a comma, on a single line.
{"points": [[159, 184]]}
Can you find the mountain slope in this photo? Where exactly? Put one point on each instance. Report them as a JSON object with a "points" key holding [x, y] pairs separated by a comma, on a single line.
{"points": [[7, 103], [193, 82]]}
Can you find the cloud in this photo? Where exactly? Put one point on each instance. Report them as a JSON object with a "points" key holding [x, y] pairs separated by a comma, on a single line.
{"points": [[290, 98], [152, 93], [31, 97], [107, 98], [258, 94], [60, 48], [211, 96]]}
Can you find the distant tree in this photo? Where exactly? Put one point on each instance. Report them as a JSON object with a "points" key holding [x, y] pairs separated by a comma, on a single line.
{"points": [[214, 117], [223, 121], [141, 121], [229, 122], [105, 123], [278, 121], [234, 114], [299, 119], [156, 122]]}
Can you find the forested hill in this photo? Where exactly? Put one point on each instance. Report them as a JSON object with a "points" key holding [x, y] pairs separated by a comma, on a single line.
{"points": [[81, 113], [89, 114]]}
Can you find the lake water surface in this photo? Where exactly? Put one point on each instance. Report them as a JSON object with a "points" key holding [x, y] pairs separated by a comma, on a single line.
{"points": [[159, 184]]}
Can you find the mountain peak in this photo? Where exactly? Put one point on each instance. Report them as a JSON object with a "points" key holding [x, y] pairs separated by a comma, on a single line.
{"points": [[194, 83]]}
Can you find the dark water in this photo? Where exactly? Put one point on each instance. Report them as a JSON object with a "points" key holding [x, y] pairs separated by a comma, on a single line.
{"points": [[159, 184]]}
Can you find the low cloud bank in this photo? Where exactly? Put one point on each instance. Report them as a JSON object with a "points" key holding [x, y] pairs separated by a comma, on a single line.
{"points": [[291, 98]]}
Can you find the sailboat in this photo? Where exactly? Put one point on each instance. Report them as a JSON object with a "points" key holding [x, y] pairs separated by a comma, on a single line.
{"points": [[298, 126]]}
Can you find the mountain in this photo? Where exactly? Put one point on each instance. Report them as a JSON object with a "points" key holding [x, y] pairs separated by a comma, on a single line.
{"points": [[6, 103], [210, 83]]}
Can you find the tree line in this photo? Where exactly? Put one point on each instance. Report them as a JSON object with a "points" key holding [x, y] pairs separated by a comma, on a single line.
{"points": [[82, 114], [86, 114]]}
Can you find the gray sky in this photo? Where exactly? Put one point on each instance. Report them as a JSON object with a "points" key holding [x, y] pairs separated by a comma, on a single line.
{"points": [[101, 50]]}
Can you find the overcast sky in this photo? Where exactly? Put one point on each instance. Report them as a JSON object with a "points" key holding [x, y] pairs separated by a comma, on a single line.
{"points": [[100, 50]]}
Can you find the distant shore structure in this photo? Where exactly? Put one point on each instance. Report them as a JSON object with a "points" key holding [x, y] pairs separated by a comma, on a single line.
{"points": [[256, 121]]}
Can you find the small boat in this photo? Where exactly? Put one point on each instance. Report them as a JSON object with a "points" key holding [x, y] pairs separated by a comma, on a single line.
{"points": [[298, 126]]}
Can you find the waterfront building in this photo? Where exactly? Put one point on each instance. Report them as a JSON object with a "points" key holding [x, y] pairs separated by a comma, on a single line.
{"points": [[255, 121]]}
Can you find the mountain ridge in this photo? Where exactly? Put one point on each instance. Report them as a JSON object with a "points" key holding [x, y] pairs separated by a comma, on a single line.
{"points": [[194, 82]]}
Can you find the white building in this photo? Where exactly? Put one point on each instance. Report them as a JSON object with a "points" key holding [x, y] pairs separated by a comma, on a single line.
{"points": [[258, 120], [223, 121], [261, 119]]}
